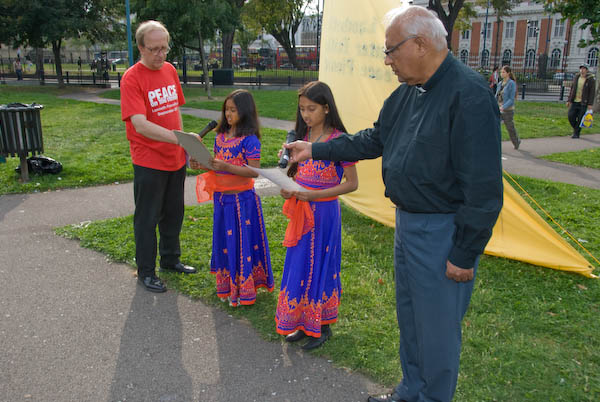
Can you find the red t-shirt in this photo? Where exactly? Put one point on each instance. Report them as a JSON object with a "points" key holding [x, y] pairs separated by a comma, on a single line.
{"points": [[157, 94]]}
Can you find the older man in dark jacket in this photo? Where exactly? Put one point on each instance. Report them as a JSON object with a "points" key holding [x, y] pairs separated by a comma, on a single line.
{"points": [[581, 97]]}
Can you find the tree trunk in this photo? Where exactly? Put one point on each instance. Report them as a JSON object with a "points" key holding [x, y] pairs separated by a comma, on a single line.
{"points": [[288, 46], [498, 21], [58, 62], [39, 63], [447, 19], [204, 66], [597, 101], [227, 40]]}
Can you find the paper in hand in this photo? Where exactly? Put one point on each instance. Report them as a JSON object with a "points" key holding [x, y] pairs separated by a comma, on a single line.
{"points": [[194, 147], [278, 177]]}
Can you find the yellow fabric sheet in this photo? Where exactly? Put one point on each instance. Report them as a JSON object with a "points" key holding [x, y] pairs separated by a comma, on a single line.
{"points": [[352, 63]]}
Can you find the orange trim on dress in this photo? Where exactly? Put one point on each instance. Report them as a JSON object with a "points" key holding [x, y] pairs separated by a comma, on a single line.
{"points": [[209, 182], [301, 217]]}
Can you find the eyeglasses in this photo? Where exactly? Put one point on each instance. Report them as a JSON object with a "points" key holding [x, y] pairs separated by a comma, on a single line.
{"points": [[156, 50], [389, 51]]}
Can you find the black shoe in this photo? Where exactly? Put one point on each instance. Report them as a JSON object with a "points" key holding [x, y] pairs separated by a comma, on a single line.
{"points": [[295, 336], [153, 284], [180, 268], [317, 342], [518, 144], [575, 136], [393, 397]]}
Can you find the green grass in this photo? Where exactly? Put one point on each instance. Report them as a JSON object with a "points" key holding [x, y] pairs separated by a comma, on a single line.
{"points": [[587, 158], [280, 104], [541, 119], [531, 333], [89, 140]]}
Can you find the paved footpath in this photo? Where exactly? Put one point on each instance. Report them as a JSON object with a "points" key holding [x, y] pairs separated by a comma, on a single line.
{"points": [[76, 327]]}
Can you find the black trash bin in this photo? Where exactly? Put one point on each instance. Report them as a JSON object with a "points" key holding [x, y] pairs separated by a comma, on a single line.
{"points": [[223, 76], [21, 132]]}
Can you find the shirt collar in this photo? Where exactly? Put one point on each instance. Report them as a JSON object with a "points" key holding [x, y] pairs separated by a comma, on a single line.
{"points": [[438, 75]]}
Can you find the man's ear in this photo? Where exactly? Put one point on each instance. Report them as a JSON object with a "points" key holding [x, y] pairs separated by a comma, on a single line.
{"points": [[423, 44]]}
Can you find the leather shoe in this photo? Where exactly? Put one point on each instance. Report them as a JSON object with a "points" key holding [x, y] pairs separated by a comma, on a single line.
{"points": [[393, 397], [153, 284], [180, 268], [295, 336], [317, 342], [575, 136]]}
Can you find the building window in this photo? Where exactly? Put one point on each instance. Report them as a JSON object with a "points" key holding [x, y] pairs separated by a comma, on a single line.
{"points": [[485, 58], [506, 57], [530, 58], [509, 31], [555, 59], [559, 28], [532, 29], [464, 56], [592, 57], [465, 34], [486, 32]]}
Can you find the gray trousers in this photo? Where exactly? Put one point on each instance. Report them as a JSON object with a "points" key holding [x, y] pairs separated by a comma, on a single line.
{"points": [[507, 118], [429, 307]]}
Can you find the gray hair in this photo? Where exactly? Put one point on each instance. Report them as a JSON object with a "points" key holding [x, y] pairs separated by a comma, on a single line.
{"points": [[148, 26], [418, 21]]}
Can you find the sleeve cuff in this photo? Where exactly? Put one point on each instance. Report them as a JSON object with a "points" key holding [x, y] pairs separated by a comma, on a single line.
{"points": [[462, 258]]}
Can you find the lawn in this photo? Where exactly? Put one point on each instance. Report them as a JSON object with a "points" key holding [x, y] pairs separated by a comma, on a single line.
{"points": [[89, 140], [531, 333], [278, 104], [587, 158]]}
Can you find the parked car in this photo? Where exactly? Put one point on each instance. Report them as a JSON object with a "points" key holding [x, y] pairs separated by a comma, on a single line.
{"points": [[563, 77], [244, 65], [287, 66]]}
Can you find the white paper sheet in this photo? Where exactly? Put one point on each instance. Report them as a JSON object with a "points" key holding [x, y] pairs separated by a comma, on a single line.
{"points": [[193, 146], [279, 177]]}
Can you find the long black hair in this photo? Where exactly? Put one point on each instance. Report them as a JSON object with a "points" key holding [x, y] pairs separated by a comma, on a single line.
{"points": [[318, 92], [248, 117]]}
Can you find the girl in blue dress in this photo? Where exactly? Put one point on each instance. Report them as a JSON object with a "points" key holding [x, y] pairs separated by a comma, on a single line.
{"points": [[311, 287], [240, 255]]}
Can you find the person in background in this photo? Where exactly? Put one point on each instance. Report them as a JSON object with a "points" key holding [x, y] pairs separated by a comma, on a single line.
{"points": [[494, 78], [18, 68], [506, 96], [150, 99], [311, 286], [240, 260], [581, 97], [439, 138]]}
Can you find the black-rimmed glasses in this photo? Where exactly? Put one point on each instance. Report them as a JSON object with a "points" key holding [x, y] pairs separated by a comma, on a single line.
{"points": [[393, 48]]}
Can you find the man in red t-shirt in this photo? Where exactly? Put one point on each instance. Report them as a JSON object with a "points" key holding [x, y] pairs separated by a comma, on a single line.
{"points": [[150, 98]]}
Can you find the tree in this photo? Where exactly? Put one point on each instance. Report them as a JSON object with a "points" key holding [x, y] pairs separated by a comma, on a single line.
{"points": [[586, 11], [40, 23], [228, 21], [188, 30], [280, 18], [448, 18]]}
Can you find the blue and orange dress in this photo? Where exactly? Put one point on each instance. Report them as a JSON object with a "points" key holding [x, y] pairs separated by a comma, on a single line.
{"points": [[311, 286], [240, 254]]}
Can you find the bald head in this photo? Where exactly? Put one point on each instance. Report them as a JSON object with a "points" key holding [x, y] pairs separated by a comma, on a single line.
{"points": [[417, 21]]}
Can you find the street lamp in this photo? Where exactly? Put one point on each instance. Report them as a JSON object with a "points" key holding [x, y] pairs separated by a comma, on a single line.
{"points": [[536, 30], [526, 46], [485, 34]]}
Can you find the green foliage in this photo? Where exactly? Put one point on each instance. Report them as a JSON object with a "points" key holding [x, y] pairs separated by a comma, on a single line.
{"points": [[280, 18], [531, 333], [586, 11]]}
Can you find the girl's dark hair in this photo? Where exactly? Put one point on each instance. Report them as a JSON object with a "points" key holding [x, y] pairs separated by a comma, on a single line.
{"points": [[509, 72], [318, 92], [248, 118]]}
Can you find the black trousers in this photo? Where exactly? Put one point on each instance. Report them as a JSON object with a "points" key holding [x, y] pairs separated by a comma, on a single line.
{"points": [[158, 196], [576, 112]]}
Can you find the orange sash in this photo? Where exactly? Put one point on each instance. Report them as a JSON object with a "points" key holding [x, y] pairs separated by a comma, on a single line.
{"points": [[209, 182], [301, 217]]}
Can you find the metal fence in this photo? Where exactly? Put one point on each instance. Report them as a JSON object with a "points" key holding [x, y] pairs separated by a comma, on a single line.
{"points": [[538, 74]]}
